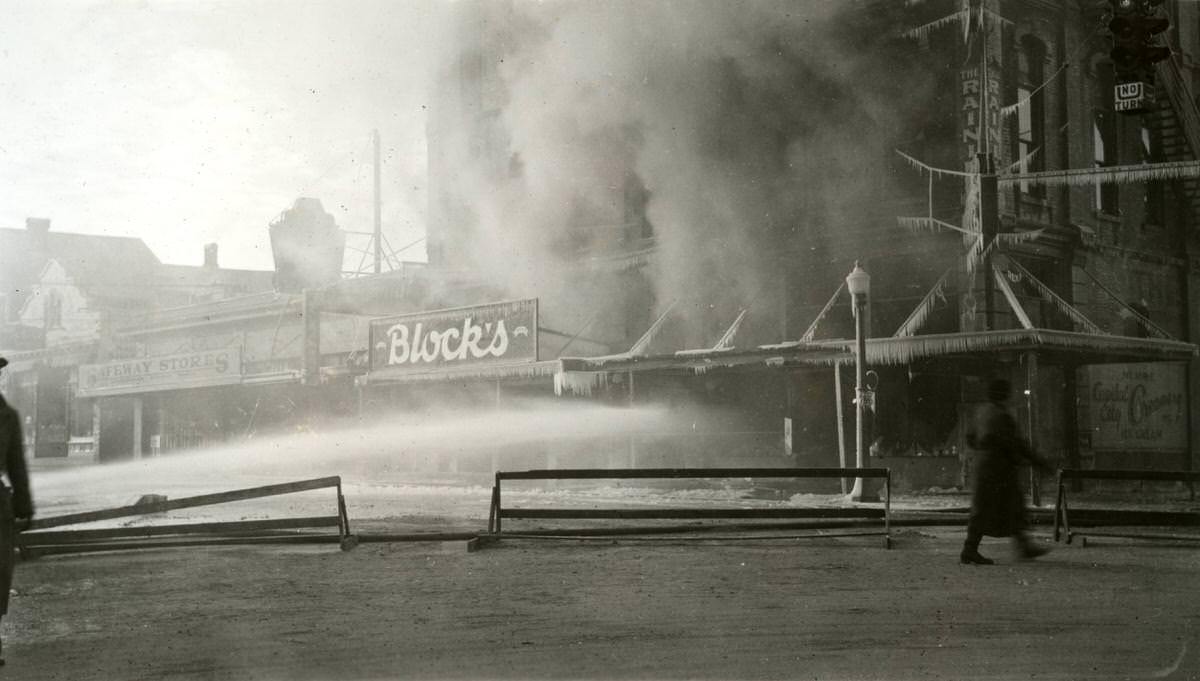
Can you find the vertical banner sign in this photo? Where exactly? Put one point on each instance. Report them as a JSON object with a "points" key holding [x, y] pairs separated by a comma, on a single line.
{"points": [[499, 333], [1138, 407], [971, 105]]}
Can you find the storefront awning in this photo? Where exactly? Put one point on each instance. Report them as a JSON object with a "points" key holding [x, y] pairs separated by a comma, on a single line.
{"points": [[582, 375], [1072, 346], [481, 372], [701, 361]]}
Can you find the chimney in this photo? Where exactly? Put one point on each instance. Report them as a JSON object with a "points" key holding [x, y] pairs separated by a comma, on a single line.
{"points": [[210, 256], [38, 228]]}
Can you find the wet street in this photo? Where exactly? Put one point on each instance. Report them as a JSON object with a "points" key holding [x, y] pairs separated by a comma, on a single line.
{"points": [[819, 609], [635, 608]]}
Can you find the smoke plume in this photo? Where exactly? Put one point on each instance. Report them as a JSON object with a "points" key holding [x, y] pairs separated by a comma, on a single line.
{"points": [[746, 133]]}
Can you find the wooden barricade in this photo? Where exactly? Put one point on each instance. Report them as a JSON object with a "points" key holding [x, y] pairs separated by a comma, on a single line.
{"points": [[1118, 518], [38, 539], [498, 512]]}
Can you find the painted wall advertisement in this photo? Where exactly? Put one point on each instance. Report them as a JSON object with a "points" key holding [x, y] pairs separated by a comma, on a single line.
{"points": [[165, 372], [1138, 407], [498, 333]]}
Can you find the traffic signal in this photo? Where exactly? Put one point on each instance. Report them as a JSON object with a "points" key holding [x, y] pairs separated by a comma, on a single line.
{"points": [[1134, 24]]}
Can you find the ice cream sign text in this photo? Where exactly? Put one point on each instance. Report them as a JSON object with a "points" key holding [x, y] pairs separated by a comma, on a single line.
{"points": [[496, 333], [1138, 406]]}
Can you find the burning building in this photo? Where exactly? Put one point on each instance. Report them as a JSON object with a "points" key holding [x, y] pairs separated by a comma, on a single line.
{"points": [[655, 171], [657, 203]]}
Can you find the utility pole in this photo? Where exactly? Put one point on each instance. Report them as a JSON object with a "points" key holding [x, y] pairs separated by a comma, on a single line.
{"points": [[989, 198], [377, 237], [989, 206]]}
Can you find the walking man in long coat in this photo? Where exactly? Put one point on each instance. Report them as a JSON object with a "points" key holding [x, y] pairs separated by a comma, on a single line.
{"points": [[16, 504], [998, 506]]}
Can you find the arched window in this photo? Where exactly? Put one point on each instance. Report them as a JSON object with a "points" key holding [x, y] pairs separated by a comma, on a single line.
{"points": [[1104, 137], [1030, 124], [1153, 198]]}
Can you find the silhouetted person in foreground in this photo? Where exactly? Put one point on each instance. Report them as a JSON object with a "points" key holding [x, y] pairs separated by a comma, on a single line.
{"points": [[998, 507], [16, 504]]}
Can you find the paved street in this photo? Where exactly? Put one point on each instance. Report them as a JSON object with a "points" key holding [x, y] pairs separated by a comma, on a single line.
{"points": [[821, 609]]}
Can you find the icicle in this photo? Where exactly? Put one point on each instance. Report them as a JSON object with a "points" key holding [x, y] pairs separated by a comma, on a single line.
{"points": [[977, 254], [1011, 297], [929, 224], [1065, 307], [1015, 167], [1013, 238], [523, 370], [931, 196], [1126, 174], [930, 169], [894, 351], [725, 341], [812, 328], [1153, 328], [994, 17], [579, 382], [917, 319], [922, 32], [639, 348], [972, 221], [1008, 111]]}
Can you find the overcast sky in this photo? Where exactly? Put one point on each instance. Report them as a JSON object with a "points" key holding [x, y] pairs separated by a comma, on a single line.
{"points": [[187, 122]]}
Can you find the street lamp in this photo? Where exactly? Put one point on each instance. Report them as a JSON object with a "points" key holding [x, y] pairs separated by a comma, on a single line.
{"points": [[858, 282]]}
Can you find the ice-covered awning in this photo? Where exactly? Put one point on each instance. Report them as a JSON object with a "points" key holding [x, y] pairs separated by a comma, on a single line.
{"points": [[481, 372], [1077, 347], [583, 375]]}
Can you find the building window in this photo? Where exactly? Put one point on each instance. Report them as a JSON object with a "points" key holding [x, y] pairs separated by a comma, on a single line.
{"points": [[1104, 139], [53, 310], [1154, 196], [1031, 114]]}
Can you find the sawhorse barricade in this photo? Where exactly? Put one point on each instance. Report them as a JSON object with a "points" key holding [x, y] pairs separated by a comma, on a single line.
{"points": [[498, 512], [37, 541], [1122, 517]]}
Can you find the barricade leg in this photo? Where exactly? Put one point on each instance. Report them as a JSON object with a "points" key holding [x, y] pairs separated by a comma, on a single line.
{"points": [[347, 541], [1066, 518], [1058, 499], [887, 511]]}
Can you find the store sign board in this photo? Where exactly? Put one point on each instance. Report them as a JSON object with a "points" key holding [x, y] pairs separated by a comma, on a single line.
{"points": [[498, 333], [166, 372], [1138, 407]]}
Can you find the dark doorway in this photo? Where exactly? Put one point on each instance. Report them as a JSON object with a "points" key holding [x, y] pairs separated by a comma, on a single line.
{"points": [[116, 429]]}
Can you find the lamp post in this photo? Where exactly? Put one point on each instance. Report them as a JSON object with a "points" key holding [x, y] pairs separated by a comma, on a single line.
{"points": [[858, 282]]}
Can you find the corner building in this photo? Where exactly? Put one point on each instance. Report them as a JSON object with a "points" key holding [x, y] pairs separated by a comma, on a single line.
{"points": [[901, 118]]}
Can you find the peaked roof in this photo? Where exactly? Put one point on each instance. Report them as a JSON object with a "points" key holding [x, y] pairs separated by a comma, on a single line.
{"points": [[107, 266]]}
